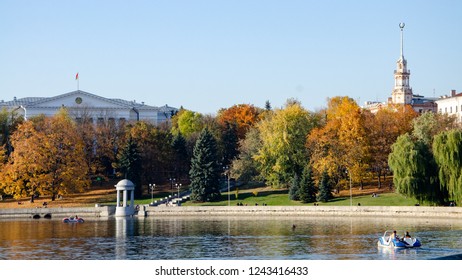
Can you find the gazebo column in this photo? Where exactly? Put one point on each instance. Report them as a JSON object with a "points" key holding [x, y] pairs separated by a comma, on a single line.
{"points": [[118, 198], [125, 198]]}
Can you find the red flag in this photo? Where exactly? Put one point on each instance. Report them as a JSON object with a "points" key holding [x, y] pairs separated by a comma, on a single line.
{"points": [[77, 76]]}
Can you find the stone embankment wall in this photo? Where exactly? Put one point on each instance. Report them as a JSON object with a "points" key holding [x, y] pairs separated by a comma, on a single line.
{"points": [[385, 211], [99, 211], [358, 211]]}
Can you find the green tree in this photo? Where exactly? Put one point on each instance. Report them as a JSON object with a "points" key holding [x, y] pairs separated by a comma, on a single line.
{"points": [[205, 171], [187, 123], [307, 191], [229, 144], [244, 168], [294, 189], [325, 188], [447, 148], [415, 170], [129, 163], [427, 125], [180, 155], [283, 136]]}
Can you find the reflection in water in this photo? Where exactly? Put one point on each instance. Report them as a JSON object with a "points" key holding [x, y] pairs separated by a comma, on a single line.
{"points": [[253, 237]]}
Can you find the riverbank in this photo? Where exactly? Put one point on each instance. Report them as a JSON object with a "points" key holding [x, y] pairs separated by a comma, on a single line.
{"points": [[366, 211], [354, 211]]}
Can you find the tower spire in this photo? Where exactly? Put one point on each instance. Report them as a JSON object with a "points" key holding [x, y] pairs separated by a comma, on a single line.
{"points": [[401, 26]]}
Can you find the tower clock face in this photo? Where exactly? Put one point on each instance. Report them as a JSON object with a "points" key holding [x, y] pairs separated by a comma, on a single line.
{"points": [[78, 100]]}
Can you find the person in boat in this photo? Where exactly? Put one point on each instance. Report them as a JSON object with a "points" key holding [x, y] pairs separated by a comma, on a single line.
{"points": [[395, 235], [407, 235]]}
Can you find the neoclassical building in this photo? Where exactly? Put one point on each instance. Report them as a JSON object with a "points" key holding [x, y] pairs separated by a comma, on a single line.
{"points": [[83, 104]]}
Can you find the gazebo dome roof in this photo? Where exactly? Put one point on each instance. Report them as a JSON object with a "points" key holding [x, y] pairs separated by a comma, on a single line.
{"points": [[125, 184]]}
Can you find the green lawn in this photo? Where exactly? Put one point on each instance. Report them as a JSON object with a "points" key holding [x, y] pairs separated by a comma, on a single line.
{"points": [[281, 198]]}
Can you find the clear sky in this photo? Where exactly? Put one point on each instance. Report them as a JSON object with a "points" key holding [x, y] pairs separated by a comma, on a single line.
{"points": [[210, 54]]}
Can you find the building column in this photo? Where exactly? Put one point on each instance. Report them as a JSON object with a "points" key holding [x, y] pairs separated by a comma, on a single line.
{"points": [[125, 198]]}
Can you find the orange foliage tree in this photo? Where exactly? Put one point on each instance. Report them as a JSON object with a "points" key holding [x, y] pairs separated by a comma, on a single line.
{"points": [[242, 116], [47, 159]]}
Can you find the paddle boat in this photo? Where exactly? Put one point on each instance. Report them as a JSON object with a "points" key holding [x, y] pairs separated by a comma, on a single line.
{"points": [[389, 241], [73, 220]]}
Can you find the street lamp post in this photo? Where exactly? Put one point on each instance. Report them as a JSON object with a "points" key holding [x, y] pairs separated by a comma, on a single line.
{"points": [[227, 175], [178, 186], [151, 187], [351, 195], [171, 185]]}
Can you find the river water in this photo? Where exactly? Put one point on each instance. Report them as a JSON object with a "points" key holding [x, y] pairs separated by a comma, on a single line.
{"points": [[255, 238]]}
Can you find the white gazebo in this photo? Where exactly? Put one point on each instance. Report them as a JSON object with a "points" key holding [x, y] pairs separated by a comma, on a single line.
{"points": [[126, 187]]}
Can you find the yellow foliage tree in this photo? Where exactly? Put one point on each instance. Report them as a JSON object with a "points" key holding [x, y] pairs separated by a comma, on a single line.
{"points": [[48, 159]]}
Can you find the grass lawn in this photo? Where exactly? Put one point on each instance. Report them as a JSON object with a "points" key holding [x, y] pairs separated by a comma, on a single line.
{"points": [[281, 198]]}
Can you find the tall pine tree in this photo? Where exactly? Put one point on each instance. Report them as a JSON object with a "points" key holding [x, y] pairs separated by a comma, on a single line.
{"points": [[325, 188], [205, 171], [307, 191], [180, 155], [294, 188], [130, 165]]}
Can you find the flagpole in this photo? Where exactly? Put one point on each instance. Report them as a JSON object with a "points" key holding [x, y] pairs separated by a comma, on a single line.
{"points": [[78, 80]]}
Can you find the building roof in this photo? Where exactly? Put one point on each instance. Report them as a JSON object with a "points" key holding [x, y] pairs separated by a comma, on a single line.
{"points": [[116, 102]]}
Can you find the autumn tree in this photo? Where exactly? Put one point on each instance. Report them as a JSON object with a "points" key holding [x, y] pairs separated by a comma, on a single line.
{"points": [[244, 167], [382, 130], [283, 151], [242, 117], [155, 149], [341, 144], [9, 121], [48, 159]]}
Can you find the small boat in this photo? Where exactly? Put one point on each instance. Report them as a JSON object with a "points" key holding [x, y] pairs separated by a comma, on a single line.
{"points": [[387, 241], [73, 220]]}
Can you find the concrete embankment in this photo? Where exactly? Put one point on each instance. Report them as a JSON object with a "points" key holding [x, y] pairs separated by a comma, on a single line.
{"points": [[364, 211], [101, 211], [354, 211]]}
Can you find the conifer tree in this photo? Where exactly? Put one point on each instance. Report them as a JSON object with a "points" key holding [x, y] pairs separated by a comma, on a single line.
{"points": [[307, 191], [180, 155], [294, 188], [205, 172], [325, 188], [130, 165]]}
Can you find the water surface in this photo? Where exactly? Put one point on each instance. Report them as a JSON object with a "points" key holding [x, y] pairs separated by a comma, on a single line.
{"points": [[256, 237]]}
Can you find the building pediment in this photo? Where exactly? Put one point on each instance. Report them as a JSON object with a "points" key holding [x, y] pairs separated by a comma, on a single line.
{"points": [[80, 99]]}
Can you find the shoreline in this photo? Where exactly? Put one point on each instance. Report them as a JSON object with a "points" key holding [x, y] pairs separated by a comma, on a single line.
{"points": [[149, 211]]}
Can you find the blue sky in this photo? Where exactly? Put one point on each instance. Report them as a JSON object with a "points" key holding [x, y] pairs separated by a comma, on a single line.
{"points": [[207, 55]]}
